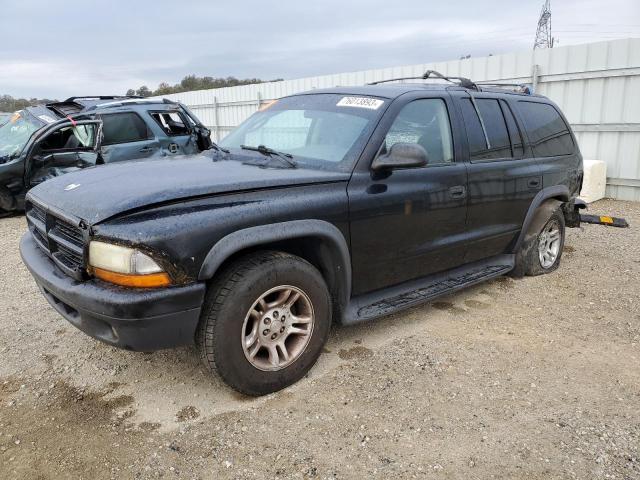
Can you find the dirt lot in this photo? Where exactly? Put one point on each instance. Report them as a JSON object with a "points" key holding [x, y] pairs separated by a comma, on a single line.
{"points": [[535, 378]]}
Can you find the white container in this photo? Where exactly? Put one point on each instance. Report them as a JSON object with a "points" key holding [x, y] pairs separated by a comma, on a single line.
{"points": [[595, 180]]}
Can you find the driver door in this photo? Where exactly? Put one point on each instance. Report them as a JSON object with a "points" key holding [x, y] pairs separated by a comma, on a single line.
{"points": [[409, 223], [63, 148]]}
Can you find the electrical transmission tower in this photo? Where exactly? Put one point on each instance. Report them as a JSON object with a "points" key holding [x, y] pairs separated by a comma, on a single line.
{"points": [[543, 34]]}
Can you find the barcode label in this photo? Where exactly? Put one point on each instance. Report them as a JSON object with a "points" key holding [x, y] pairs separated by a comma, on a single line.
{"points": [[361, 102]]}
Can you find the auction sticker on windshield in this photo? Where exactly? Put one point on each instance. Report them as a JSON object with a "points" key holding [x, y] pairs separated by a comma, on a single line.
{"points": [[360, 102]]}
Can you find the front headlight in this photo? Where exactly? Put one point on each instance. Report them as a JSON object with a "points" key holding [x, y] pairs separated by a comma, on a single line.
{"points": [[125, 266]]}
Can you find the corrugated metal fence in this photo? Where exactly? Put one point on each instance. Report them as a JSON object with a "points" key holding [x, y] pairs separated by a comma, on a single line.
{"points": [[597, 85]]}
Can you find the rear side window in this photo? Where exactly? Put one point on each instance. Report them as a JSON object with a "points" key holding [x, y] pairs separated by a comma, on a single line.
{"points": [[475, 134], [123, 128], [548, 133], [497, 143], [171, 122], [514, 131]]}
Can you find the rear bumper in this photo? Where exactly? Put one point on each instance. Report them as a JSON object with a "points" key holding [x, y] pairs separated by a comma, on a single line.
{"points": [[143, 320], [572, 212]]}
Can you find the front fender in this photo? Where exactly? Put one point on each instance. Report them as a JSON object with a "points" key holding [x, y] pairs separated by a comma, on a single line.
{"points": [[338, 261]]}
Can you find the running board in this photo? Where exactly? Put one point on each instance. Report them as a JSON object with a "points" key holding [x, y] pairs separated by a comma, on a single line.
{"points": [[409, 294]]}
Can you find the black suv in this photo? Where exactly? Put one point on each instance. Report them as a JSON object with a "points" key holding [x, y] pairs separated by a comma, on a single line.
{"points": [[46, 141], [343, 205]]}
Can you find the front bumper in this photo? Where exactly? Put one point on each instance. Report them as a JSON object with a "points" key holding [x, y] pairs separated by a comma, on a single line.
{"points": [[143, 320]]}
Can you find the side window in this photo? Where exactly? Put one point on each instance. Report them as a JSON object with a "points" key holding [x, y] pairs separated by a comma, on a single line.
{"points": [[548, 133], [69, 138], [426, 123], [475, 134], [496, 127], [123, 128], [514, 131], [171, 122]]}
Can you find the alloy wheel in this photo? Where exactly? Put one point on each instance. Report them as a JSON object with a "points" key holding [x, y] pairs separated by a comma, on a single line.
{"points": [[277, 328]]}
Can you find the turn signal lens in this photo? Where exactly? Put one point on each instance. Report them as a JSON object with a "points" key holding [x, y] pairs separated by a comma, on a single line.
{"points": [[153, 280]]}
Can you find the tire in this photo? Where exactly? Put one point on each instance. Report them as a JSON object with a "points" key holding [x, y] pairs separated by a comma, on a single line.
{"points": [[7, 202], [534, 262], [232, 311]]}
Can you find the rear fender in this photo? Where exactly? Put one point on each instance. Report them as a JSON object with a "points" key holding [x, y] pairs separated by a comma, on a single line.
{"points": [[543, 204]]}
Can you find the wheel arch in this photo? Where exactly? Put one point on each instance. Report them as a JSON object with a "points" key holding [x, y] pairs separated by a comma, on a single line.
{"points": [[542, 205], [319, 242]]}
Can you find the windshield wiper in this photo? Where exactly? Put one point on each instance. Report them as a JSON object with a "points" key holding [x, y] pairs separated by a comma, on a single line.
{"points": [[218, 148], [270, 152]]}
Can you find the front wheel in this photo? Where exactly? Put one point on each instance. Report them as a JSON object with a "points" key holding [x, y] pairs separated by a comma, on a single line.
{"points": [[7, 203], [265, 321]]}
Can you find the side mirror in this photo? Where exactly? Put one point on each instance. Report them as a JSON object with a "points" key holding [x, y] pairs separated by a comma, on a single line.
{"points": [[402, 155]]}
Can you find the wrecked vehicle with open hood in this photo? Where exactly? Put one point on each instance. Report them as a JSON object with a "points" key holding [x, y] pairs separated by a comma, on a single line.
{"points": [[46, 141]]}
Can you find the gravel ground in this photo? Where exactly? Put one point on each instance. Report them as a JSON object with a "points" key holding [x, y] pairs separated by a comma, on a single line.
{"points": [[533, 378]]}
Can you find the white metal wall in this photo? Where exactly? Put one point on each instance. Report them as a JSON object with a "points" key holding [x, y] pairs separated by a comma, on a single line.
{"points": [[597, 85]]}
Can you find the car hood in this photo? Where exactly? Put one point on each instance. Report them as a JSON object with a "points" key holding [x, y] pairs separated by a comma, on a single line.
{"points": [[97, 193]]}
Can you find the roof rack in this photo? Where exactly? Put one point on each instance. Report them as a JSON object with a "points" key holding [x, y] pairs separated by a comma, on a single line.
{"points": [[460, 81], [517, 87], [101, 97], [464, 82]]}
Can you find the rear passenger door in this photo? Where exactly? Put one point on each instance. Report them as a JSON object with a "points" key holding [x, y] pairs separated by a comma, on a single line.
{"points": [[178, 135], [126, 136], [503, 175]]}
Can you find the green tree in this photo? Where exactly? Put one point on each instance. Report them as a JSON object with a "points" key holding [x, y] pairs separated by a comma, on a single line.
{"points": [[10, 104], [193, 82], [144, 92]]}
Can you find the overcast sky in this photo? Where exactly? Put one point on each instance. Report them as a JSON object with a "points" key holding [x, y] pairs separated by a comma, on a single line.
{"points": [[61, 48]]}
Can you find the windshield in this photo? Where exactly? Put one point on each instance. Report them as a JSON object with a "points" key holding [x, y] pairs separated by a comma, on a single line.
{"points": [[15, 134], [325, 131]]}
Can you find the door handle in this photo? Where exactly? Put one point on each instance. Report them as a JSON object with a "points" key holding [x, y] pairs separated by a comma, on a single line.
{"points": [[459, 191], [146, 150], [534, 183]]}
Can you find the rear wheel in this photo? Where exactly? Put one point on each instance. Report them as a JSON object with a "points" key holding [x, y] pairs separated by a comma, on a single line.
{"points": [[264, 322], [544, 250]]}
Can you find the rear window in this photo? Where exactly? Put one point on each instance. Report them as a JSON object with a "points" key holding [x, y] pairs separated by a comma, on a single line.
{"points": [[123, 128], [548, 133]]}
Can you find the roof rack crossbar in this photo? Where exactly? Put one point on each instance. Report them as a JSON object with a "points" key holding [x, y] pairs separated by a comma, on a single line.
{"points": [[461, 81]]}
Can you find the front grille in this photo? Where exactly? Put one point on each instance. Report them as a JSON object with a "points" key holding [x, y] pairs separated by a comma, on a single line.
{"points": [[61, 239]]}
